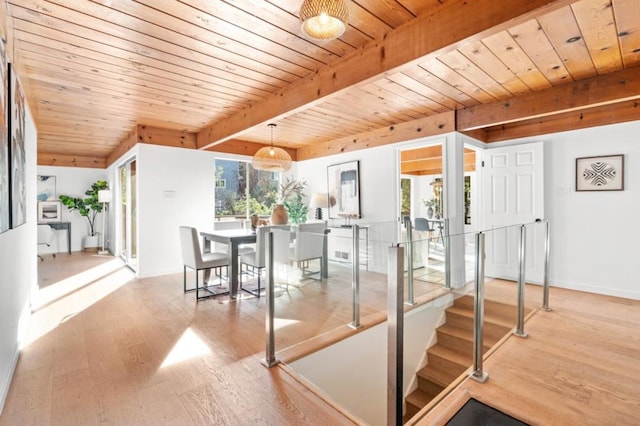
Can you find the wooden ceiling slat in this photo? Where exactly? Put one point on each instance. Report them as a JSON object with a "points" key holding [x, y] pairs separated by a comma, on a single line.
{"points": [[261, 25], [181, 24], [504, 47], [596, 21], [331, 118], [336, 106], [180, 18], [536, 45], [166, 63], [127, 36], [374, 103], [424, 77], [438, 100], [389, 11], [484, 59], [404, 97], [140, 70], [104, 89], [443, 72], [563, 32], [466, 68], [627, 18], [114, 72]]}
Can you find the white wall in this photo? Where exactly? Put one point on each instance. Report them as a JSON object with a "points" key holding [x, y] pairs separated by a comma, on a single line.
{"points": [[594, 235], [18, 271], [175, 187], [72, 181], [353, 372]]}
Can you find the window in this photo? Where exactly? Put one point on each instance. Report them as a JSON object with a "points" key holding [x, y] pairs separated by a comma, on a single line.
{"points": [[236, 182]]}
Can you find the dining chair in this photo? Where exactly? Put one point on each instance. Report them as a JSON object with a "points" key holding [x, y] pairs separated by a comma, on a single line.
{"points": [[194, 258], [309, 245], [256, 260]]}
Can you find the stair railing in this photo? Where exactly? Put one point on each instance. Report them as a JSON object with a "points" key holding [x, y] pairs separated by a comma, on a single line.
{"points": [[355, 278]]}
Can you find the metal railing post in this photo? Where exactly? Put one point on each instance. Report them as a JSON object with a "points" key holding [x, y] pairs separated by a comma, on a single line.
{"points": [[478, 309], [410, 293], [270, 356], [447, 256], [545, 291], [522, 262], [355, 278], [395, 334]]}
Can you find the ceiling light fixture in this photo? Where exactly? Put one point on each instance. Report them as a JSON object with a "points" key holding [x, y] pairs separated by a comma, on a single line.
{"points": [[324, 19], [271, 158]]}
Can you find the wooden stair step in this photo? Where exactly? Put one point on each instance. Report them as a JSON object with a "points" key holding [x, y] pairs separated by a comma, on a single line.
{"points": [[438, 376], [440, 356], [506, 311], [419, 398], [488, 318]]}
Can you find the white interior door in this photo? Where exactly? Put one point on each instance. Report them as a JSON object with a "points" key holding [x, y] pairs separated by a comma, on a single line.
{"points": [[513, 194]]}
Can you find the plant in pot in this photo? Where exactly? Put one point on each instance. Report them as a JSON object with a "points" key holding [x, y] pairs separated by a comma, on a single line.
{"points": [[291, 193], [89, 207]]}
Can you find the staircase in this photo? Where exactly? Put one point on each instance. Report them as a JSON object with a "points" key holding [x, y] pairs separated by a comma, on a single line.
{"points": [[453, 352]]}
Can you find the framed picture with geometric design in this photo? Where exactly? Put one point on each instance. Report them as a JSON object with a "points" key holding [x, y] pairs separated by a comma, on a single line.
{"points": [[603, 173]]}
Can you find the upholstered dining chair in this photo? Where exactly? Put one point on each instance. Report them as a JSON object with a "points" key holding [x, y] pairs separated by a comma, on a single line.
{"points": [[309, 245], [256, 260], [193, 258]]}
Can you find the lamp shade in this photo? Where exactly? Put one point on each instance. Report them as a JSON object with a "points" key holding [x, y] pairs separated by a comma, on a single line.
{"points": [[319, 200], [324, 19], [104, 196], [271, 158]]}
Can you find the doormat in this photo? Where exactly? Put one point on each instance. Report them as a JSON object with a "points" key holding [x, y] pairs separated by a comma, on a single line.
{"points": [[475, 413]]}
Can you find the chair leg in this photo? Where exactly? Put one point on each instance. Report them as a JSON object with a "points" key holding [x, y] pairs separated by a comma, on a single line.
{"points": [[184, 278]]}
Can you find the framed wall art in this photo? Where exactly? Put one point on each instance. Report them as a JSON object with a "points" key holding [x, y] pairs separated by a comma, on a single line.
{"points": [[46, 187], [344, 190], [5, 188], [49, 211], [17, 151], [602, 173]]}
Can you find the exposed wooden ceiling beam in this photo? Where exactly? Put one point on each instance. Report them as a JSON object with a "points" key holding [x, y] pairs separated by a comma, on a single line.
{"points": [[602, 90], [240, 147], [591, 117], [62, 160], [428, 126], [443, 28]]}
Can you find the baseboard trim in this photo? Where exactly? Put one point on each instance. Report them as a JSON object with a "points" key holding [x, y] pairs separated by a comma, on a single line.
{"points": [[6, 382], [615, 292]]}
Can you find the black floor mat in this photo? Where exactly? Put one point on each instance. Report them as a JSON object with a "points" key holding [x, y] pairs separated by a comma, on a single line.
{"points": [[475, 413]]}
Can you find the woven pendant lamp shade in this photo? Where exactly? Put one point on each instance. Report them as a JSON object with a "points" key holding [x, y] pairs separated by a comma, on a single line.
{"points": [[324, 19], [271, 158]]}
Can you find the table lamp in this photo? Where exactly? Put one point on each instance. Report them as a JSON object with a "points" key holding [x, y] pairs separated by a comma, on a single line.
{"points": [[319, 201]]}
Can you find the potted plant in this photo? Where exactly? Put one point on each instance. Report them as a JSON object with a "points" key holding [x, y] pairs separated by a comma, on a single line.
{"points": [[88, 207], [290, 191]]}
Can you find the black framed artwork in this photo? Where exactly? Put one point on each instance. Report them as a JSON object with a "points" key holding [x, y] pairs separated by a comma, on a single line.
{"points": [[602, 173], [344, 190], [18, 194], [5, 188]]}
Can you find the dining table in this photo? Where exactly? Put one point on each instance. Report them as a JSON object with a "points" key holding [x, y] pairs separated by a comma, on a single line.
{"points": [[233, 238]]}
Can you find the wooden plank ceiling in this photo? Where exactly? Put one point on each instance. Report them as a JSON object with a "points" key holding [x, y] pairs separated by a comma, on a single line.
{"points": [[95, 70]]}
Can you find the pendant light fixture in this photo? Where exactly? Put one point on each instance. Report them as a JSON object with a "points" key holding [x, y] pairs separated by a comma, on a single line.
{"points": [[271, 158], [324, 19]]}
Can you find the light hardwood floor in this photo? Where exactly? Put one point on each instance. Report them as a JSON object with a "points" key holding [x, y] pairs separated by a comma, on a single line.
{"points": [[106, 348]]}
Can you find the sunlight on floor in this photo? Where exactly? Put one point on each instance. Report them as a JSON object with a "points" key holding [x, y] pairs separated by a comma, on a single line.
{"points": [[69, 285], [280, 323], [61, 301], [189, 346]]}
